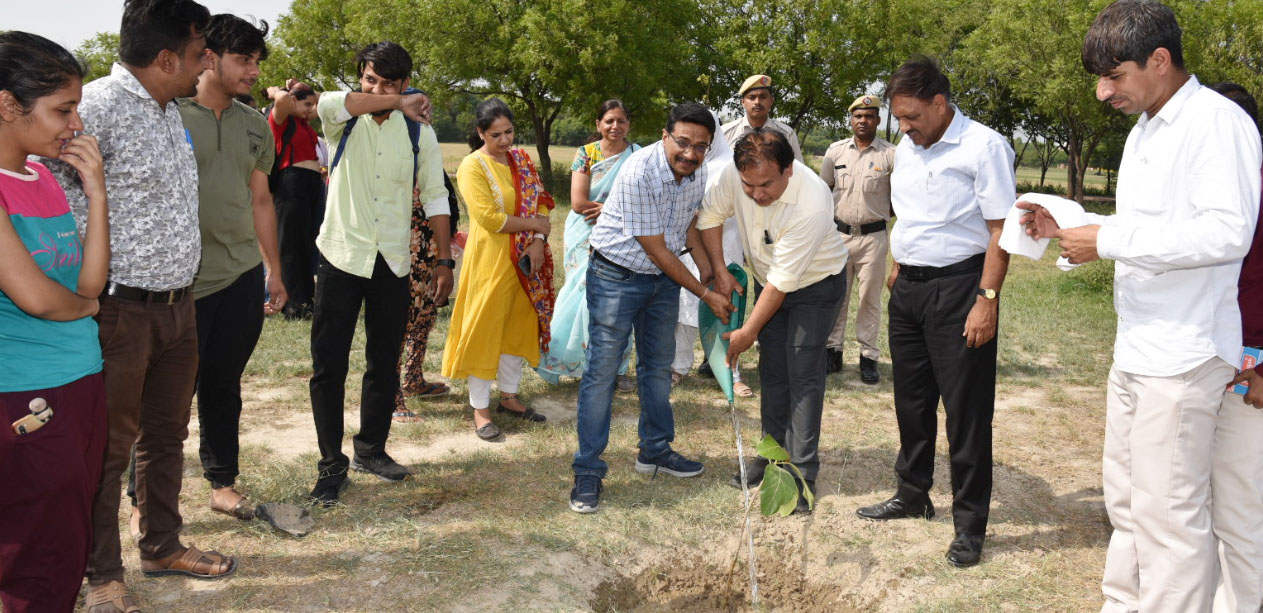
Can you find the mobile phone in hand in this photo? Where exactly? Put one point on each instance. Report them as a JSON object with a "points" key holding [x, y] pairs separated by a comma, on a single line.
{"points": [[524, 264]]}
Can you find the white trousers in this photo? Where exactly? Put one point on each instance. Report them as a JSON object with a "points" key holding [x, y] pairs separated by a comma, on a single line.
{"points": [[1170, 441], [685, 337], [508, 375]]}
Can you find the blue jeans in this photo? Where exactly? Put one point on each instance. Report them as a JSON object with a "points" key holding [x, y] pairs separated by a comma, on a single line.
{"points": [[620, 302]]}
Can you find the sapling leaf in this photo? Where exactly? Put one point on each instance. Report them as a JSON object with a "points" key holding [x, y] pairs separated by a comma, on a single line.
{"points": [[807, 493], [778, 494], [770, 449]]}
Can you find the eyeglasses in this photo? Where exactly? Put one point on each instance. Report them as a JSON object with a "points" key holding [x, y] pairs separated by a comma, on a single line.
{"points": [[700, 148]]}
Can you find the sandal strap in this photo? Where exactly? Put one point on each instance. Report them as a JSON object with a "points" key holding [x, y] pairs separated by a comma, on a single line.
{"points": [[194, 556], [113, 593], [508, 396]]}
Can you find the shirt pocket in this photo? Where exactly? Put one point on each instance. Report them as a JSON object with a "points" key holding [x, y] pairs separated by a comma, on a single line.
{"points": [[396, 168], [872, 181]]}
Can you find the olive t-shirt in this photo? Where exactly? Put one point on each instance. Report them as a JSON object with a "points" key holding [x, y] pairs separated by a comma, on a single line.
{"points": [[228, 151]]}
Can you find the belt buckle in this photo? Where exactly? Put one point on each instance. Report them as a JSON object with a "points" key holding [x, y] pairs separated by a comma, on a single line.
{"points": [[856, 231]]}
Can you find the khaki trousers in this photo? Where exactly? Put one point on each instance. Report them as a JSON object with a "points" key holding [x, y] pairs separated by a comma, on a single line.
{"points": [[865, 269], [1169, 441]]}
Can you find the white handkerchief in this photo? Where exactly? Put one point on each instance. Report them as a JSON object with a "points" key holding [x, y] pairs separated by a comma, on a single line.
{"points": [[1013, 238]]}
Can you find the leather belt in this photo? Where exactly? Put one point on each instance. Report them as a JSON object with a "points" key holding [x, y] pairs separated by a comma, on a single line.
{"points": [[862, 229], [118, 290], [926, 273], [597, 254]]}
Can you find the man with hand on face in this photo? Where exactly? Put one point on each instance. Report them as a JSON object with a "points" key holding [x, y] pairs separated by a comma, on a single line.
{"points": [[952, 186], [365, 256], [858, 170], [234, 151], [757, 100], [784, 215], [634, 281], [1181, 465]]}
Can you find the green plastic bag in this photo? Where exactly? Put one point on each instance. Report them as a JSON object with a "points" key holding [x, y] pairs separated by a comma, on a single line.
{"points": [[714, 347]]}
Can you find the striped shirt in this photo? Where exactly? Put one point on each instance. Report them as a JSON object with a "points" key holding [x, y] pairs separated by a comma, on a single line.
{"points": [[647, 201]]}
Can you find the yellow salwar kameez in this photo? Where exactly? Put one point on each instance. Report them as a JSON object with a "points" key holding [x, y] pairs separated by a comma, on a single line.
{"points": [[492, 315]]}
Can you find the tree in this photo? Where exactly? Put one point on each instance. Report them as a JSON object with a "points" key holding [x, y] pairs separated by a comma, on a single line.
{"points": [[1049, 70], [544, 57], [98, 55]]}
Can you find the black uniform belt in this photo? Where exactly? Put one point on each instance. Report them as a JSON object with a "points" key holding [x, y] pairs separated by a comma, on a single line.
{"points": [[925, 273], [862, 229], [619, 267], [118, 290]]}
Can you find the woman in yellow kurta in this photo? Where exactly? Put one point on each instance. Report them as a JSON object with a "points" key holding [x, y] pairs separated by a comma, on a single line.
{"points": [[506, 275]]}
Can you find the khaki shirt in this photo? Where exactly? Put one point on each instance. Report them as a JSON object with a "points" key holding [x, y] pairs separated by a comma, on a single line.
{"points": [[734, 130], [789, 244], [860, 180]]}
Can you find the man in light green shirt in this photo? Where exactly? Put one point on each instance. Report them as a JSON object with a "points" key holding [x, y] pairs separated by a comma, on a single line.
{"points": [[364, 256]]}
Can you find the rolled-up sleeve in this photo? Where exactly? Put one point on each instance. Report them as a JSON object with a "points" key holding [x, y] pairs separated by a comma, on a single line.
{"points": [[333, 114], [718, 204]]}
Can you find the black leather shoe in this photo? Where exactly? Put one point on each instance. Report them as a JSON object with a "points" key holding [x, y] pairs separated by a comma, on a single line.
{"points": [[329, 489], [835, 360], [704, 370], [803, 507], [965, 550], [897, 508], [868, 371], [754, 474]]}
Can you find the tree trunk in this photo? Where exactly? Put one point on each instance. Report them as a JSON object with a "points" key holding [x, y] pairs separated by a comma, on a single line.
{"points": [[1074, 177]]}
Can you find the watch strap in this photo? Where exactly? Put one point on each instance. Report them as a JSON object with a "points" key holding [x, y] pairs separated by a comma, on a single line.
{"points": [[448, 262]]}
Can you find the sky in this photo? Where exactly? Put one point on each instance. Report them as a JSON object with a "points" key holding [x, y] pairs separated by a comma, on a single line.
{"points": [[70, 22]]}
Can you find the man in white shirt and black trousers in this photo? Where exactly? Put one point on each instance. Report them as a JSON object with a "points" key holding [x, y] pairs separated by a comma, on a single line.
{"points": [[952, 186], [1187, 205], [785, 218]]}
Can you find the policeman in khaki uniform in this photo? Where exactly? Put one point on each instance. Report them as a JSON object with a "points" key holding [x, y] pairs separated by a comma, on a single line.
{"points": [[858, 170], [757, 100]]}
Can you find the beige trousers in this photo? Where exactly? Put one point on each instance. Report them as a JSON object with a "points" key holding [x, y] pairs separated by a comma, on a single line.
{"points": [[866, 268], [1168, 442]]}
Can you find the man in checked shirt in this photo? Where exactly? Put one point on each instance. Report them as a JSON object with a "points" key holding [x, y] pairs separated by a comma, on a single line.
{"points": [[634, 282]]}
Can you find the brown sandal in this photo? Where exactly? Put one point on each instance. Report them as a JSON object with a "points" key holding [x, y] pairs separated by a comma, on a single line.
{"points": [[243, 510], [186, 564], [114, 594]]}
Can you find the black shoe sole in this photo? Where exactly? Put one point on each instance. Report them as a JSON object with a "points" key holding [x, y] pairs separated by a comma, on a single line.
{"points": [[926, 514], [360, 468]]}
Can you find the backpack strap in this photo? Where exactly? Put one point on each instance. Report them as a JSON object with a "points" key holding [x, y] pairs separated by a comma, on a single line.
{"points": [[346, 131], [287, 135]]}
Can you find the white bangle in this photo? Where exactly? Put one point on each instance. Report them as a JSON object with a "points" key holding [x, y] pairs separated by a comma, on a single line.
{"points": [[703, 296], [541, 236]]}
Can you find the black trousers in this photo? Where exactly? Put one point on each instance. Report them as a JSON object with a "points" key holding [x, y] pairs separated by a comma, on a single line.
{"points": [[793, 369], [299, 202], [930, 361], [228, 326], [339, 295]]}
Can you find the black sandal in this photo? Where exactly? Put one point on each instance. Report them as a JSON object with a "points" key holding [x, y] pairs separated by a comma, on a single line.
{"points": [[529, 414]]}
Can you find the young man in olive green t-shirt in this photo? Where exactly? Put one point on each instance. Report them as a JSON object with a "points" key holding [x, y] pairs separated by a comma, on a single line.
{"points": [[234, 151]]}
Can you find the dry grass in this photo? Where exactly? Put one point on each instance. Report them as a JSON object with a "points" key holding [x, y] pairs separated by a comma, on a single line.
{"points": [[486, 527]]}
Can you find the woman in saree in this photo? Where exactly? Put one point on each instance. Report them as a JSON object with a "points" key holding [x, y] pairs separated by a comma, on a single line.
{"points": [[505, 299], [592, 177]]}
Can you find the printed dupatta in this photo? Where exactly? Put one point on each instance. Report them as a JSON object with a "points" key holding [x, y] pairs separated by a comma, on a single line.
{"points": [[532, 200]]}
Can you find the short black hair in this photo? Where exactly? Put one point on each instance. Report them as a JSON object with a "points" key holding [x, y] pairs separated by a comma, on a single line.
{"points": [[1130, 31], [763, 145], [149, 26], [485, 114], [32, 67], [231, 34], [1238, 94], [389, 60], [692, 112], [919, 77]]}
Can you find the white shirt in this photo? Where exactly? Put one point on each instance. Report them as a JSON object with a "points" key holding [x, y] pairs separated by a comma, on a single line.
{"points": [[804, 247], [735, 129], [944, 194], [1187, 204]]}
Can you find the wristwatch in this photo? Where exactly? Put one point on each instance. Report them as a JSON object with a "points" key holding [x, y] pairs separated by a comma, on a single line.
{"points": [[989, 294], [450, 263]]}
